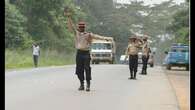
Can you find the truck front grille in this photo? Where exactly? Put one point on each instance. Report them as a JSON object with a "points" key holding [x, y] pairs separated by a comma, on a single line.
{"points": [[102, 55]]}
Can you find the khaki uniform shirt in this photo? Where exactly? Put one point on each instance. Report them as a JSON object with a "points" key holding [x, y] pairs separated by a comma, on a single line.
{"points": [[146, 49], [132, 49], [83, 40]]}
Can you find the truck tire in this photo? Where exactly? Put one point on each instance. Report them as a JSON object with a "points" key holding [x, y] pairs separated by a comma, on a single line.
{"points": [[111, 62], [151, 65], [187, 67], [168, 67]]}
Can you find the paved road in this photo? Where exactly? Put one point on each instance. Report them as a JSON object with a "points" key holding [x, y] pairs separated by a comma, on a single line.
{"points": [[179, 79], [56, 89]]}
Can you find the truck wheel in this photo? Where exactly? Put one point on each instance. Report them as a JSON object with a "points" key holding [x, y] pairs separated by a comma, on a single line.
{"points": [[187, 67], [96, 62], [168, 67], [111, 62]]}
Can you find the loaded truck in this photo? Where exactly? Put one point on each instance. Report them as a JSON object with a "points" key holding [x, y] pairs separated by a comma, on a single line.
{"points": [[103, 51]]}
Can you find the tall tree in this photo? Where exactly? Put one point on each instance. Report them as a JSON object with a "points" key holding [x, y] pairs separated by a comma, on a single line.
{"points": [[15, 29]]}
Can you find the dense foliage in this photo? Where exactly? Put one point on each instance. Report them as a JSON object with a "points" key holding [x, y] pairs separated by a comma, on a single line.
{"points": [[42, 21]]}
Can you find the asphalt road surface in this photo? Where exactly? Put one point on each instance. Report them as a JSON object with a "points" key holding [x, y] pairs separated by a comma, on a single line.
{"points": [[179, 79], [55, 88]]}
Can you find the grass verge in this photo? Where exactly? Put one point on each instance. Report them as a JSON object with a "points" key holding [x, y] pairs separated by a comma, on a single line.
{"points": [[16, 59]]}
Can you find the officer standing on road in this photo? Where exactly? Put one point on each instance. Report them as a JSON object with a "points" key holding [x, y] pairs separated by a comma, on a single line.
{"points": [[132, 52], [83, 41], [145, 56]]}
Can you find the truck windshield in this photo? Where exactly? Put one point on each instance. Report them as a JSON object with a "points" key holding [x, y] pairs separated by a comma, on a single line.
{"points": [[179, 49], [101, 46]]}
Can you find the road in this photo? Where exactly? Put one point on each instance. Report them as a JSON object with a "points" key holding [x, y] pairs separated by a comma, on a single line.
{"points": [[179, 79], [55, 88]]}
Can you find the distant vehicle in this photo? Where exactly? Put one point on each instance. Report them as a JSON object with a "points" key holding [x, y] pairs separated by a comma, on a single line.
{"points": [[177, 56], [122, 59], [103, 51]]}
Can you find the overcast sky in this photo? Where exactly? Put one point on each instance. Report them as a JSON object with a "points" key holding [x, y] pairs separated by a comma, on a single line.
{"points": [[150, 2]]}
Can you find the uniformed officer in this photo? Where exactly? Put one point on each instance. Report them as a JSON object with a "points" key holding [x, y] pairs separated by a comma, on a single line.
{"points": [[145, 56], [132, 52], [82, 43]]}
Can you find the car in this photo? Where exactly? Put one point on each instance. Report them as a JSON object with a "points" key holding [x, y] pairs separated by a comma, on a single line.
{"points": [[178, 56], [122, 59]]}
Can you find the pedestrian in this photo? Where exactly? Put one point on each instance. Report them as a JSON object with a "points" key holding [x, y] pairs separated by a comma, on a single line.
{"points": [[83, 41], [145, 56], [132, 52], [36, 54]]}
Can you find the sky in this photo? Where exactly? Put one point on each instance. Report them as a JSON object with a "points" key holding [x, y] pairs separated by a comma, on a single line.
{"points": [[150, 2]]}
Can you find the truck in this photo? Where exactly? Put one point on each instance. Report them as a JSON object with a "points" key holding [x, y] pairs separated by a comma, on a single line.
{"points": [[178, 55], [103, 51]]}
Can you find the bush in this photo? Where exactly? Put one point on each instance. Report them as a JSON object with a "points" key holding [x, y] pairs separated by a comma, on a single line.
{"points": [[23, 58]]}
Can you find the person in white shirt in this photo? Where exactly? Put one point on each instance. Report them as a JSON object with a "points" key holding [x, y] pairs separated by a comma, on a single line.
{"points": [[36, 54]]}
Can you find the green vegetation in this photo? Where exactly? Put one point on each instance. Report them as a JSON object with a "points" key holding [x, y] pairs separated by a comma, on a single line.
{"points": [[23, 58], [42, 21], [180, 26]]}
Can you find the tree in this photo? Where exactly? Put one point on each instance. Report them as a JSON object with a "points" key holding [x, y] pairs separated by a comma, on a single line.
{"points": [[15, 30], [46, 22], [179, 28]]}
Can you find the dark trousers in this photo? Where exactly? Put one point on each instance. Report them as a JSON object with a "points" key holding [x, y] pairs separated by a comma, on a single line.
{"points": [[133, 63], [35, 59], [83, 64], [145, 62]]}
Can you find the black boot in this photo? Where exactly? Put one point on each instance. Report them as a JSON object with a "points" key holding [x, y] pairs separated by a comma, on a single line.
{"points": [[134, 76], [81, 86], [131, 74], [145, 72], [88, 86]]}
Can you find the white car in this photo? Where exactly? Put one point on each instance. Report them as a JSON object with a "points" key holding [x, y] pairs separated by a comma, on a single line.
{"points": [[122, 59]]}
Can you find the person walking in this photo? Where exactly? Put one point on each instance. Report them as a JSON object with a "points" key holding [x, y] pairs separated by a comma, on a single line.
{"points": [[132, 52], [83, 42], [36, 54], [145, 56]]}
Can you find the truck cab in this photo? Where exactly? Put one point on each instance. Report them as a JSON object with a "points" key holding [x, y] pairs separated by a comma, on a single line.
{"points": [[103, 51], [178, 55]]}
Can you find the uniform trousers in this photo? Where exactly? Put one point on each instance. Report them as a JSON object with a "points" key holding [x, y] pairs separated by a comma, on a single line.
{"points": [[133, 64], [145, 62], [83, 65]]}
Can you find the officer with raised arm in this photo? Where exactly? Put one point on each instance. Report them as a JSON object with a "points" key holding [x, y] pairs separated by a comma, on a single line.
{"points": [[83, 41], [132, 52]]}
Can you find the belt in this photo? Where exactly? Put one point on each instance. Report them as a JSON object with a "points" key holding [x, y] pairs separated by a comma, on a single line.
{"points": [[133, 54], [83, 51]]}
